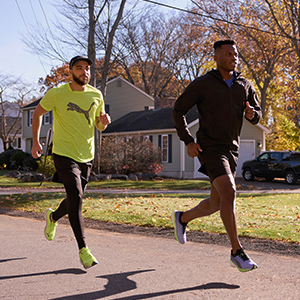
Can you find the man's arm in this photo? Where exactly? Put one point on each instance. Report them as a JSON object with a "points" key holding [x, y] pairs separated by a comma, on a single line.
{"points": [[252, 110], [181, 107], [37, 150], [102, 121]]}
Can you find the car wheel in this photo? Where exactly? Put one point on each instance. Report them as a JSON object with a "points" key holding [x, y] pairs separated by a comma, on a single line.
{"points": [[290, 177], [248, 174]]}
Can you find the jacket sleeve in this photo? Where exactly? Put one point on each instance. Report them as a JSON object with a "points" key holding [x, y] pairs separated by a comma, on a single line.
{"points": [[182, 105], [253, 100]]}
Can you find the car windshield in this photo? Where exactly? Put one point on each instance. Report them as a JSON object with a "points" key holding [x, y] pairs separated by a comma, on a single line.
{"points": [[263, 157]]}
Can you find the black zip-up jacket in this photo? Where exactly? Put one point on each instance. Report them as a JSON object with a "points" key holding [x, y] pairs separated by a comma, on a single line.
{"points": [[221, 109]]}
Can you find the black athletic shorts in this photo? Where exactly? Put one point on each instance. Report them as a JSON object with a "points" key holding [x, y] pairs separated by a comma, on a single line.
{"points": [[217, 161]]}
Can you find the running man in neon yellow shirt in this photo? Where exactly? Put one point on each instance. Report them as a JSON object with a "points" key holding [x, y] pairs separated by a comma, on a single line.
{"points": [[77, 108]]}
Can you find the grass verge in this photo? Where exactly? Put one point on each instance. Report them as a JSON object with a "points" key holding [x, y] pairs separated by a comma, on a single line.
{"points": [[7, 182], [270, 216]]}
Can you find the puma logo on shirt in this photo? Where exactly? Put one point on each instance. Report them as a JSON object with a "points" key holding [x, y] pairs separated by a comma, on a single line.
{"points": [[75, 107]]}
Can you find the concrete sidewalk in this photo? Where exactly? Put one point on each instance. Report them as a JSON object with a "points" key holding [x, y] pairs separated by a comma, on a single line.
{"points": [[132, 267], [11, 191]]}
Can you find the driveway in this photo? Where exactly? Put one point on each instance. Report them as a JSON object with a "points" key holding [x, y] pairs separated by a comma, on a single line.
{"points": [[261, 184]]}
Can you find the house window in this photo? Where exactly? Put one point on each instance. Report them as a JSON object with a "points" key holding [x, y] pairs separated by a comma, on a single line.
{"points": [[164, 148], [165, 144], [30, 117], [47, 118], [17, 143]]}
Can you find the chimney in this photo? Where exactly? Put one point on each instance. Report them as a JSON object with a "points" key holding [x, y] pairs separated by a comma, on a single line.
{"points": [[164, 101]]}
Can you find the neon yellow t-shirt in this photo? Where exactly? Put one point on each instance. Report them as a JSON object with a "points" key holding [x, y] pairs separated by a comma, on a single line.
{"points": [[74, 120]]}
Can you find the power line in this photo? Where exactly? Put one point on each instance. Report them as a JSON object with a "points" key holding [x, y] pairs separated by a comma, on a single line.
{"points": [[46, 19], [37, 23], [212, 18], [20, 11]]}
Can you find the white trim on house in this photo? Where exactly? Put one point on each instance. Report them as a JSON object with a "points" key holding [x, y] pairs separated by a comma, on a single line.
{"points": [[182, 159], [141, 132], [262, 127], [193, 123], [132, 85]]}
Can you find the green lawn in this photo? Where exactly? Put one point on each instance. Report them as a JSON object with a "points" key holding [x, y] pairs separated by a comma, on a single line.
{"points": [[6, 181], [268, 216]]}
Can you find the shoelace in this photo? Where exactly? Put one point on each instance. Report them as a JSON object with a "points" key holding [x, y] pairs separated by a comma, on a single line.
{"points": [[243, 255]]}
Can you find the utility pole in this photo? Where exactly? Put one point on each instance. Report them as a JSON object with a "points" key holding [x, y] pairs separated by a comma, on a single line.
{"points": [[92, 56]]}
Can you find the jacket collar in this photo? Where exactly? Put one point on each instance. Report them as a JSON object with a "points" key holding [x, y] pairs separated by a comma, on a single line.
{"points": [[216, 72]]}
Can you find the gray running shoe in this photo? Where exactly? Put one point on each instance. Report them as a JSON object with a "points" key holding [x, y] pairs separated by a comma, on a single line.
{"points": [[179, 229], [242, 261]]}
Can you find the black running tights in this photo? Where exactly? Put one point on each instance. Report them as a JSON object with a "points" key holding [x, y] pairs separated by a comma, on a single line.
{"points": [[74, 176]]}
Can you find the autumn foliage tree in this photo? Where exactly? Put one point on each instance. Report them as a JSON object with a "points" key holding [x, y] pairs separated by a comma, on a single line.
{"points": [[161, 54], [56, 77]]}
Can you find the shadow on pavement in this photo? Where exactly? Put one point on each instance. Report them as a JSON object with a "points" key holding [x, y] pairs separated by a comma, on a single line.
{"points": [[120, 283], [65, 271], [11, 259]]}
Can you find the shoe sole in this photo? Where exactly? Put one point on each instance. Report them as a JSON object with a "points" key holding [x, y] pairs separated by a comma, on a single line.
{"points": [[174, 223], [242, 270]]}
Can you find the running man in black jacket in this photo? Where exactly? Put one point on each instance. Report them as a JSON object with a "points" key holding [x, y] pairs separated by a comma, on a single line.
{"points": [[223, 98]]}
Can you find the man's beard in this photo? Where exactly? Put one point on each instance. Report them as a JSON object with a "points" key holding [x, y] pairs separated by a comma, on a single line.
{"points": [[79, 81]]}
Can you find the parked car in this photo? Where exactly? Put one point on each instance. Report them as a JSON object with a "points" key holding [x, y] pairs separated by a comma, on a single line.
{"points": [[274, 164]]}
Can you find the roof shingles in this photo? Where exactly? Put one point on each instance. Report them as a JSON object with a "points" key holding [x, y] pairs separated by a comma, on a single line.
{"points": [[148, 120]]}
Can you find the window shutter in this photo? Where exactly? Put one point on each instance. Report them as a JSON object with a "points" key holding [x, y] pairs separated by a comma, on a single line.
{"points": [[151, 138], [28, 118], [159, 141], [170, 147], [107, 108]]}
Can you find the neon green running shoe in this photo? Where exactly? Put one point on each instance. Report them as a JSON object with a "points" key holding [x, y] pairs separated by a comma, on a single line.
{"points": [[86, 257], [50, 227]]}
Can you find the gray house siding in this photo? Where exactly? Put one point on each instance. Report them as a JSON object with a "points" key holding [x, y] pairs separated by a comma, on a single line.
{"points": [[122, 97], [27, 128]]}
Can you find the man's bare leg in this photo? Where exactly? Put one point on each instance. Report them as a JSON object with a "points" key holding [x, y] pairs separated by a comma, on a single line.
{"points": [[226, 188], [206, 207]]}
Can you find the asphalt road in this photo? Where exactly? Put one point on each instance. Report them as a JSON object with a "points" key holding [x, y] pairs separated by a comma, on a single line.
{"points": [[132, 267]]}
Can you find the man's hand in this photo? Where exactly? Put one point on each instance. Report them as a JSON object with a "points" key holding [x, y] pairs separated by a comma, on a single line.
{"points": [[193, 149], [36, 150], [104, 119], [249, 111]]}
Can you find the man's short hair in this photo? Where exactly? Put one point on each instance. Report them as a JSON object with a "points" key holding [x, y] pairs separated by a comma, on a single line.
{"points": [[219, 44]]}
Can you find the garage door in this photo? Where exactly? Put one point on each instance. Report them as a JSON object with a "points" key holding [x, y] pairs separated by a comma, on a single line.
{"points": [[247, 152]]}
